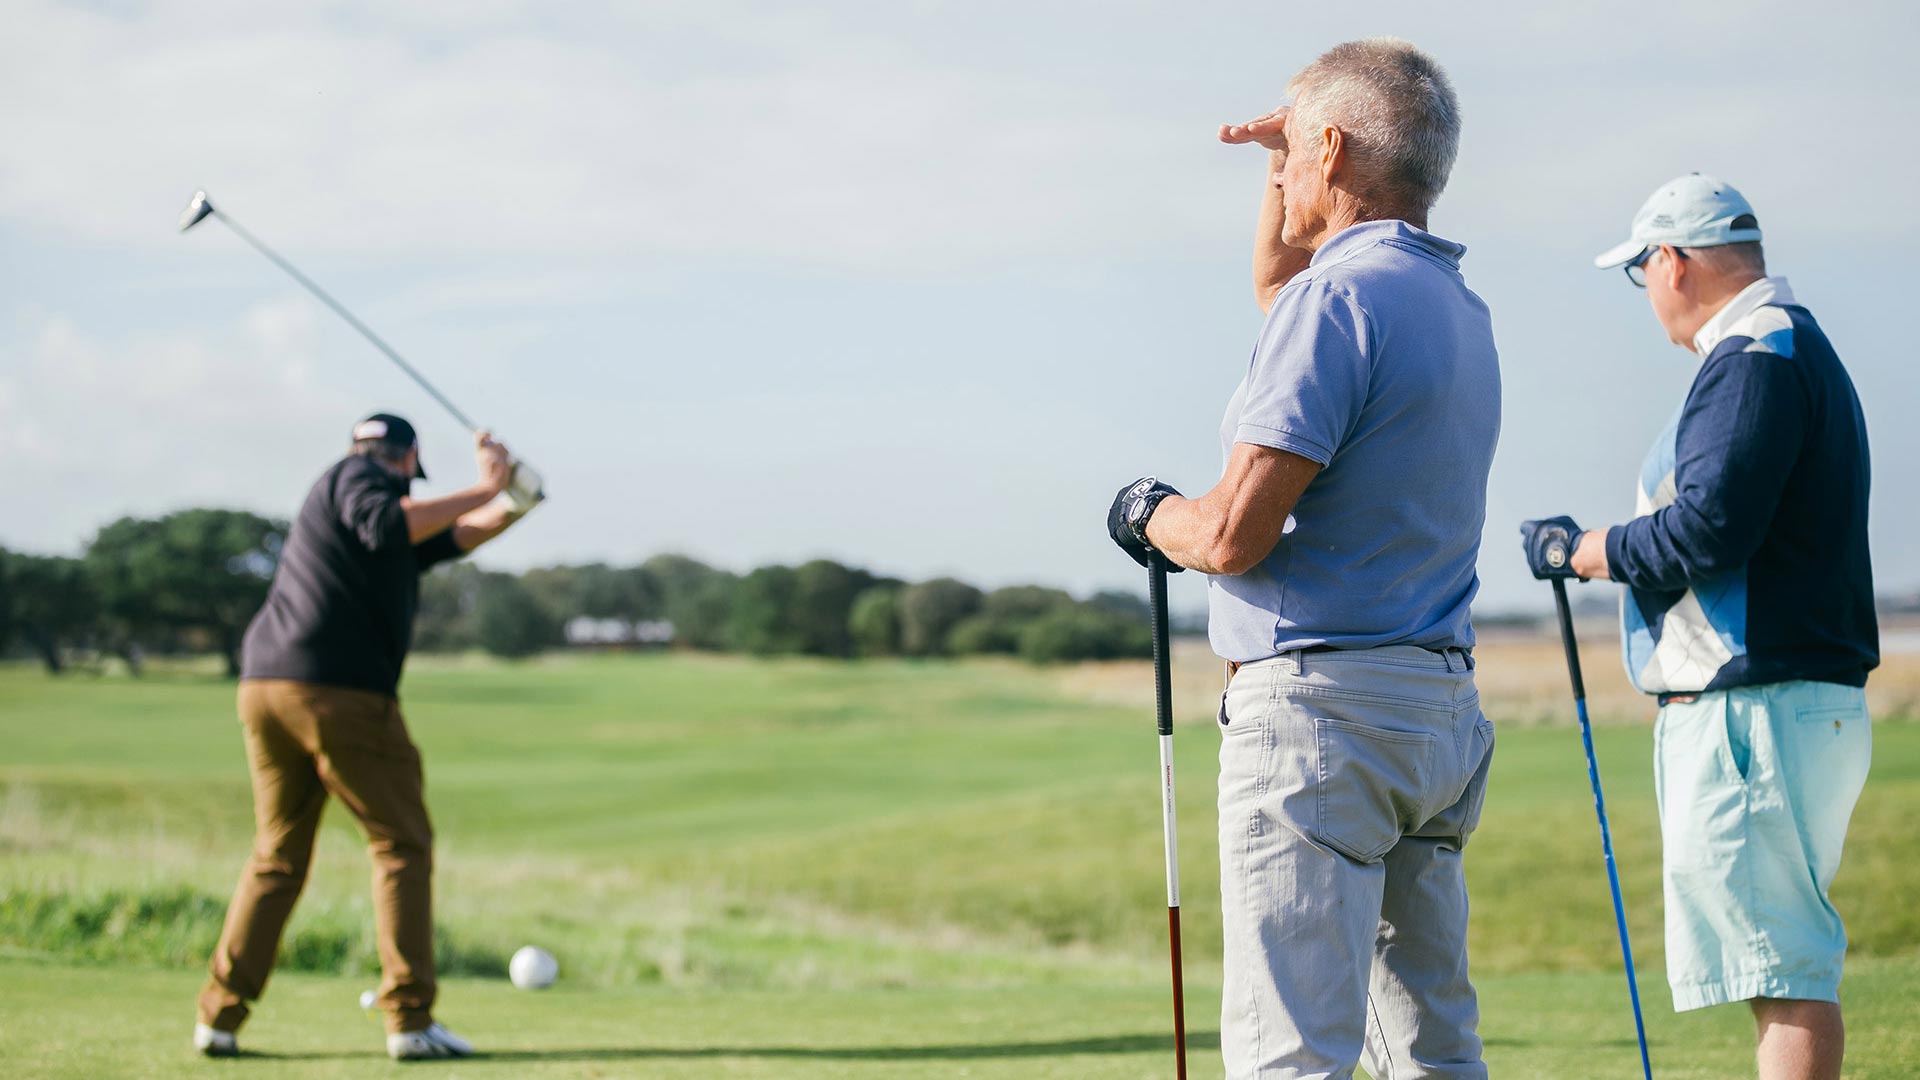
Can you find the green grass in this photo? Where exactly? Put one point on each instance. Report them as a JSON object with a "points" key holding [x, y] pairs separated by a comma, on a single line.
{"points": [[1551, 1027], [808, 869]]}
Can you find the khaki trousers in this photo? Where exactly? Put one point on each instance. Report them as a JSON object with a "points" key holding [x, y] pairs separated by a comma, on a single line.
{"points": [[305, 742]]}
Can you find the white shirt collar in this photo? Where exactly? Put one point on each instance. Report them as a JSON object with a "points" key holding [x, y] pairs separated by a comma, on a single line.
{"points": [[1772, 290]]}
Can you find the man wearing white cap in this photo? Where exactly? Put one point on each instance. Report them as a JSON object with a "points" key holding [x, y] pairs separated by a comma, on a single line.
{"points": [[1749, 613]]}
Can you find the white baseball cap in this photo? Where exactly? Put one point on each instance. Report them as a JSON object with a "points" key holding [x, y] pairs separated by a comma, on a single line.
{"points": [[1692, 211]]}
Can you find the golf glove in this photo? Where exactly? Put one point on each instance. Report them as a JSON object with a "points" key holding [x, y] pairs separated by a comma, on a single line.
{"points": [[1549, 543], [524, 489], [1128, 517]]}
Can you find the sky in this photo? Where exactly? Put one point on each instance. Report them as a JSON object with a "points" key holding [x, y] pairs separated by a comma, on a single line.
{"points": [[916, 286]]}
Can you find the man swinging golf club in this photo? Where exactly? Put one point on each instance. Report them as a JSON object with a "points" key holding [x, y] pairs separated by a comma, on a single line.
{"points": [[1749, 614], [320, 665], [1342, 542]]}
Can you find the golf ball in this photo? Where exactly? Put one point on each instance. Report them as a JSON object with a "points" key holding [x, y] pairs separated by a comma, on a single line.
{"points": [[368, 998], [533, 968]]}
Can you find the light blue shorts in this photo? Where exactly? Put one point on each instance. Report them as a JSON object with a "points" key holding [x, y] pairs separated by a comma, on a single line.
{"points": [[1756, 785]]}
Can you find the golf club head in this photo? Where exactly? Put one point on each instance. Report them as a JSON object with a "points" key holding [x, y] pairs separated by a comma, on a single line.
{"points": [[199, 208]]}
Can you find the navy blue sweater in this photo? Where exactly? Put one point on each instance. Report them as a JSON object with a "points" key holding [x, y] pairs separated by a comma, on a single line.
{"points": [[1749, 561]]}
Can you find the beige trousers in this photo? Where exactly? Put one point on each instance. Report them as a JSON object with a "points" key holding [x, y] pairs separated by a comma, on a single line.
{"points": [[305, 742]]}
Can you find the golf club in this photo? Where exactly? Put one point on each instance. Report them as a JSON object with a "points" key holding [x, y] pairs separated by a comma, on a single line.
{"points": [[1600, 808], [525, 487], [1163, 711]]}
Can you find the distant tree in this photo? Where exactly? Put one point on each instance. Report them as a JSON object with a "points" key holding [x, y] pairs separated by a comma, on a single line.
{"points": [[1020, 603], [1084, 632], [596, 591], [823, 596], [873, 621], [131, 616], [508, 620], [762, 619], [447, 619], [200, 569], [50, 603], [695, 597], [929, 611], [6, 602], [1120, 602], [1003, 614], [978, 635]]}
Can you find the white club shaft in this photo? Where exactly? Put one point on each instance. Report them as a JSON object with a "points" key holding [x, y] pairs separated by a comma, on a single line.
{"points": [[1172, 833]]}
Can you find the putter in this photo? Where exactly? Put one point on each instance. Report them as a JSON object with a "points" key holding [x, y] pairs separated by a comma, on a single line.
{"points": [[1163, 712], [525, 487], [1600, 809]]}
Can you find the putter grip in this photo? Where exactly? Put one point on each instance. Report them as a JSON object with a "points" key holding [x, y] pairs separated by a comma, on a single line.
{"points": [[1162, 656], [1567, 639]]}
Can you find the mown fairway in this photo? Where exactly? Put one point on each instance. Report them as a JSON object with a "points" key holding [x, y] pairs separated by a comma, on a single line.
{"points": [[771, 869]]}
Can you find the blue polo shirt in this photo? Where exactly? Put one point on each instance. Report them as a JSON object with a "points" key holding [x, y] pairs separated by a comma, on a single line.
{"points": [[1377, 362]]}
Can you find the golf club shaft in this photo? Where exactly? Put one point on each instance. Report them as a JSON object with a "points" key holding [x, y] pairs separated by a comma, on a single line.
{"points": [[1163, 713], [340, 310], [1600, 810]]}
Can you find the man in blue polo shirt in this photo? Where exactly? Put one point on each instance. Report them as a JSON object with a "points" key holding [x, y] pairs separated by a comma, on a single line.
{"points": [[1341, 542], [1749, 613]]}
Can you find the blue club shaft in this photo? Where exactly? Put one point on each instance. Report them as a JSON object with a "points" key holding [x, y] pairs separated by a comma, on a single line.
{"points": [[1600, 810]]}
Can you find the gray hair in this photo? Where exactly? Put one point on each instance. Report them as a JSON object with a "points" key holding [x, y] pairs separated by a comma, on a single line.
{"points": [[1732, 260], [1397, 116]]}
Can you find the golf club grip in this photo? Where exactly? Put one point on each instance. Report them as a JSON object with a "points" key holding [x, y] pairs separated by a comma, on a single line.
{"points": [[1567, 639], [340, 309], [1162, 657]]}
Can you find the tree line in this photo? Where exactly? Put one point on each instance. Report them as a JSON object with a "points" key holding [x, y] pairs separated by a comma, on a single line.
{"points": [[190, 581]]}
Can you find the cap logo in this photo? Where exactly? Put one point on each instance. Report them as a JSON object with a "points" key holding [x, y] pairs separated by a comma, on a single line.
{"points": [[370, 429], [1662, 221]]}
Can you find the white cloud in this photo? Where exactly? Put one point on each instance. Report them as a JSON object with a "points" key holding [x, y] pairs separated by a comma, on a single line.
{"points": [[96, 426], [798, 138]]}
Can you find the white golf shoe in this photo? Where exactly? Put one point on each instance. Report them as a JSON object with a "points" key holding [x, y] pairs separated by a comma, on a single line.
{"points": [[432, 1041], [213, 1042]]}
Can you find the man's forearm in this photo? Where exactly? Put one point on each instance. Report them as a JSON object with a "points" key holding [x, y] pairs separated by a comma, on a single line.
{"points": [[1274, 263], [1187, 532], [482, 525], [428, 517], [1232, 527]]}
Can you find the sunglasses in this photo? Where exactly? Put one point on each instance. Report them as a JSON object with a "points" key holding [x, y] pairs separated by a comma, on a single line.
{"points": [[1637, 269]]}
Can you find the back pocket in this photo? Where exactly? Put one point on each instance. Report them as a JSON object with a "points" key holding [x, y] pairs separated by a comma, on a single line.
{"points": [[1372, 785]]}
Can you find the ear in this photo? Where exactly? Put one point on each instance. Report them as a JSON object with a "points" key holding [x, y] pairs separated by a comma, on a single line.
{"points": [[1333, 154], [1672, 266]]}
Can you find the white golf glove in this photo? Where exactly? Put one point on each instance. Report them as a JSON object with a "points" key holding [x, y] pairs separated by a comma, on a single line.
{"points": [[525, 489]]}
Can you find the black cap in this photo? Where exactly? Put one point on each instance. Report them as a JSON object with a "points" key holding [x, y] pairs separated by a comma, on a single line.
{"points": [[395, 432]]}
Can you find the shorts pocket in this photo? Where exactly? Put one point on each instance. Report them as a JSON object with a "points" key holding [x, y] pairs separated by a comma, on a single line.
{"points": [[1371, 785], [1834, 717]]}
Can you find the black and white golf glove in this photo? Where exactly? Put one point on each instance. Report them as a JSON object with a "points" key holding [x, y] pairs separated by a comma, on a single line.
{"points": [[1128, 517], [1550, 543]]}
